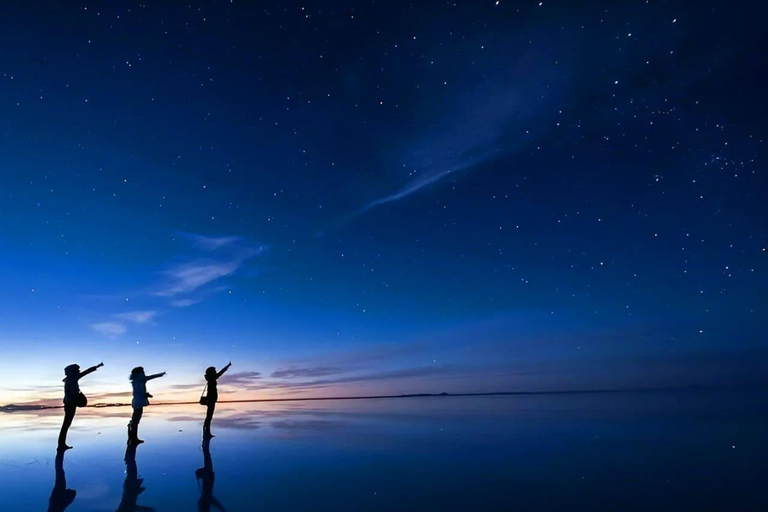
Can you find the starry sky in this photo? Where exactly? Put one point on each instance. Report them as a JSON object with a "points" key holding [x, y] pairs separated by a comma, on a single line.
{"points": [[382, 197]]}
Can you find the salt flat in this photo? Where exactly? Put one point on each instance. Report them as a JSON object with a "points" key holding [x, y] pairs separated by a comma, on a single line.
{"points": [[635, 451]]}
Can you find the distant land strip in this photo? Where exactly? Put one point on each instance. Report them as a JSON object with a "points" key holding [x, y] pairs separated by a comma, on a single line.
{"points": [[23, 407]]}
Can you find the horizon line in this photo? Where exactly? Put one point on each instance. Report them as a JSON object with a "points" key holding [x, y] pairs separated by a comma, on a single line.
{"points": [[10, 408]]}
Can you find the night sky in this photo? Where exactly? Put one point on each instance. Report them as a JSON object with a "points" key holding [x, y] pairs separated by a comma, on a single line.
{"points": [[383, 197]]}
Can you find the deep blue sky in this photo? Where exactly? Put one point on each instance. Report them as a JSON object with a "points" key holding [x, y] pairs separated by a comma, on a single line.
{"points": [[384, 197]]}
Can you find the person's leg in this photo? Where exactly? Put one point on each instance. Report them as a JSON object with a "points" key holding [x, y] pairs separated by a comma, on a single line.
{"points": [[137, 413], [208, 419], [69, 415], [131, 426], [135, 419]]}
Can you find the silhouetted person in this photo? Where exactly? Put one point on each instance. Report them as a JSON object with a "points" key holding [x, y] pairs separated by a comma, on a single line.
{"points": [[213, 395], [61, 497], [73, 398], [140, 400], [132, 485], [206, 475]]}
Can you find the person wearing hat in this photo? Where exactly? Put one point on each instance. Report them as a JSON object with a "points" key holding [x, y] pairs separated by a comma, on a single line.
{"points": [[140, 400], [211, 378], [73, 398]]}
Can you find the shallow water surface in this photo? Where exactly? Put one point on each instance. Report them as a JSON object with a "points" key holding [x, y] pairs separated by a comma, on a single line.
{"points": [[592, 452]]}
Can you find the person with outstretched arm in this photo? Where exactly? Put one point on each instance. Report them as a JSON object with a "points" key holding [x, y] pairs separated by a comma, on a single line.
{"points": [[140, 400], [73, 398], [211, 376]]}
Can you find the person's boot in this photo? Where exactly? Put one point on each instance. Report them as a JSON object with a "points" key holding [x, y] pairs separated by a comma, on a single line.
{"points": [[136, 439], [133, 437]]}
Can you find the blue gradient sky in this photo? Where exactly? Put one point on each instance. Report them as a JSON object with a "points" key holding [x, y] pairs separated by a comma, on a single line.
{"points": [[382, 198]]}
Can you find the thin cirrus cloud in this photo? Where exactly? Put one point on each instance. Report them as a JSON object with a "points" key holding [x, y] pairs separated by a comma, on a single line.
{"points": [[314, 382], [240, 378], [111, 329], [188, 277], [454, 147], [224, 257], [119, 323], [245, 380], [210, 243], [318, 371], [312, 378], [189, 282], [487, 122], [406, 191], [138, 317], [404, 373], [183, 303]]}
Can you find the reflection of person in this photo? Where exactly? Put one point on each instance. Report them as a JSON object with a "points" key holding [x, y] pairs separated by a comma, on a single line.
{"points": [[72, 398], [140, 400], [61, 497], [211, 376], [206, 475], [133, 485]]}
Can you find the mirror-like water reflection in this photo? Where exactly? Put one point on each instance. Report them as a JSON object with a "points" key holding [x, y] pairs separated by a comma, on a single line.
{"points": [[640, 451]]}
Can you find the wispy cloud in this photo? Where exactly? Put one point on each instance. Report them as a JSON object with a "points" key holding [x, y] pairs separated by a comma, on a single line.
{"points": [[240, 379], [210, 243], [118, 324], [183, 303], [111, 329], [409, 189], [454, 147], [318, 371], [224, 256], [190, 281], [497, 118], [404, 373], [188, 277], [138, 317], [243, 380], [191, 385], [308, 378], [99, 397]]}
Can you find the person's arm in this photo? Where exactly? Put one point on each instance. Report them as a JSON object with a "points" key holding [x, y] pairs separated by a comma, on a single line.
{"points": [[90, 370], [223, 370], [155, 376]]}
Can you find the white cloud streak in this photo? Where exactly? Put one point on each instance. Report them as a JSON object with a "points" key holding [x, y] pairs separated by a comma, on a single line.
{"points": [[119, 325], [409, 189], [225, 256], [210, 243], [189, 282], [138, 317], [111, 329], [473, 132], [188, 277], [183, 303]]}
